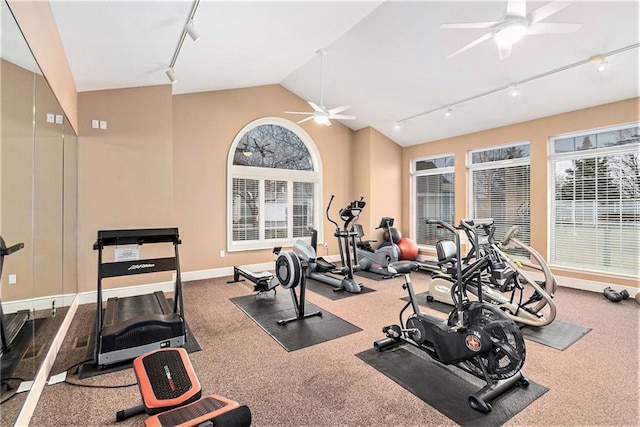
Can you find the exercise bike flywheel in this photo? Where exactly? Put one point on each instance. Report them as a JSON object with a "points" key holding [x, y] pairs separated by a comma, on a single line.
{"points": [[506, 358]]}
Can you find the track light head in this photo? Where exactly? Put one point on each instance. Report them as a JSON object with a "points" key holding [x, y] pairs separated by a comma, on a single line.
{"points": [[601, 61], [602, 66], [515, 91], [448, 112], [190, 28], [172, 75]]}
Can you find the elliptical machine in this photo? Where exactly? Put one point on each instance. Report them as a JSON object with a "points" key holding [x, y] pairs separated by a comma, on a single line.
{"points": [[504, 281], [376, 260], [477, 337], [320, 270]]}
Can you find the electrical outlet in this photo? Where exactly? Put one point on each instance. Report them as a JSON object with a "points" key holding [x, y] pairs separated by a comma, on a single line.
{"points": [[13, 279], [95, 124], [50, 118], [103, 124], [59, 119], [221, 254]]}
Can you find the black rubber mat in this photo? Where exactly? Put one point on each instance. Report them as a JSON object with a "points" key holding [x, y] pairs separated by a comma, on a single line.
{"points": [[327, 291], [19, 346], [447, 388], [266, 310], [372, 276], [558, 334]]}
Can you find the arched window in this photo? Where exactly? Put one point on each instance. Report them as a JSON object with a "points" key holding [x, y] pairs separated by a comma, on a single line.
{"points": [[273, 185]]}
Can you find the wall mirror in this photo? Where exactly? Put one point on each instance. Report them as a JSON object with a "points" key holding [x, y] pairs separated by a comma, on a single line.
{"points": [[38, 181]]}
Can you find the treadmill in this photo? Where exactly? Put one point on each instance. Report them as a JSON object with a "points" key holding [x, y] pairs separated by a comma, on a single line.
{"points": [[10, 324], [133, 326]]}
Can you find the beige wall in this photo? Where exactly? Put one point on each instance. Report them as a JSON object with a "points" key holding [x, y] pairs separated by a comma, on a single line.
{"points": [[204, 127], [377, 166], [17, 177], [39, 28], [124, 172], [47, 194], [538, 132]]}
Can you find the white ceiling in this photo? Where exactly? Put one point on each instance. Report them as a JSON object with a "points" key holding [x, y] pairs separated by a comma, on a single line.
{"points": [[388, 60]]}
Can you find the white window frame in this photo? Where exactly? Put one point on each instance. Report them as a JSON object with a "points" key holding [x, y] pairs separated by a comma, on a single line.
{"points": [[576, 155], [498, 164], [262, 174], [415, 174]]}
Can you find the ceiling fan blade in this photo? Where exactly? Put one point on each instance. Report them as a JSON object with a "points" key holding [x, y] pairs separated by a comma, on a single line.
{"points": [[469, 25], [547, 10], [552, 28], [504, 51], [297, 112], [341, 117], [304, 120], [517, 8], [472, 44], [315, 106], [338, 109]]}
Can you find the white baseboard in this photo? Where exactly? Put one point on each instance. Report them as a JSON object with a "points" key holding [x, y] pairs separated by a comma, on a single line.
{"points": [[40, 303]]}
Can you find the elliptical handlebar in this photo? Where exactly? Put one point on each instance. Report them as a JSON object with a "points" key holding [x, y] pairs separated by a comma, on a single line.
{"points": [[327, 212], [348, 214]]}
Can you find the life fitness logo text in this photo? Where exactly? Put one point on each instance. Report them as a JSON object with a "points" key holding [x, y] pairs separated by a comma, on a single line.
{"points": [[473, 342], [139, 266]]}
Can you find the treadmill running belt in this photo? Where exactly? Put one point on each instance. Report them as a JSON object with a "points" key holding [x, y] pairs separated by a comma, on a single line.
{"points": [[135, 306]]}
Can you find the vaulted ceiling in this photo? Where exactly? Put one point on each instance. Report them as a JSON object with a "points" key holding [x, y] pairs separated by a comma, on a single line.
{"points": [[388, 60]]}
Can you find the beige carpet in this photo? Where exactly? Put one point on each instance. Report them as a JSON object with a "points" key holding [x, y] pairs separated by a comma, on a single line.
{"points": [[593, 382]]}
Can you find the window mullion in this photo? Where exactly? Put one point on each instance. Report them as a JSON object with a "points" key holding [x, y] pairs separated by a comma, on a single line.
{"points": [[262, 205], [290, 212]]}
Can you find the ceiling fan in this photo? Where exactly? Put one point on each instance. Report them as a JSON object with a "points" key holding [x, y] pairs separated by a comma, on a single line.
{"points": [[515, 24], [320, 113]]}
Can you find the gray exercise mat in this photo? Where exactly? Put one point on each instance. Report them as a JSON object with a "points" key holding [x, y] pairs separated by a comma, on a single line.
{"points": [[558, 334], [267, 309], [447, 388]]}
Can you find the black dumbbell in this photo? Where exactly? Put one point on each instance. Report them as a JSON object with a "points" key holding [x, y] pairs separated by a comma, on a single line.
{"points": [[615, 296]]}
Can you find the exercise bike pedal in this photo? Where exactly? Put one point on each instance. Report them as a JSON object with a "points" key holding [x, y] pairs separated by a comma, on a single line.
{"points": [[392, 331]]}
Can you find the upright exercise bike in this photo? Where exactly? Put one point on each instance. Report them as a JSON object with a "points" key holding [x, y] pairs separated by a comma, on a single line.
{"points": [[477, 337], [376, 260]]}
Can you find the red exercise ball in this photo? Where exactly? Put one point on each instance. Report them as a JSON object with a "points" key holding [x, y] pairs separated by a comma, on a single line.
{"points": [[408, 249]]}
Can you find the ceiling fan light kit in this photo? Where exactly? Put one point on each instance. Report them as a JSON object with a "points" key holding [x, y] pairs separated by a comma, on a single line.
{"points": [[511, 31], [515, 24], [320, 113]]}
